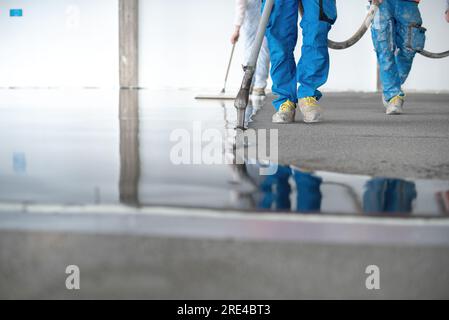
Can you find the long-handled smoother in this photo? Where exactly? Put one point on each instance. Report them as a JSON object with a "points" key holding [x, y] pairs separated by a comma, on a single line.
{"points": [[241, 101], [221, 95], [227, 70]]}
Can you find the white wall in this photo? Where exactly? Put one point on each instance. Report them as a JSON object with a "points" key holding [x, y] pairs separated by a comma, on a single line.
{"points": [[59, 43], [182, 44], [185, 44]]}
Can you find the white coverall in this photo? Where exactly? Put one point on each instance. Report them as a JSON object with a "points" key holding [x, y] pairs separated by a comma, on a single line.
{"points": [[247, 16]]}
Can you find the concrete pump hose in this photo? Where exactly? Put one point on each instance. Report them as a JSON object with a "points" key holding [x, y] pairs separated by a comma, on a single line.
{"points": [[433, 55], [360, 32]]}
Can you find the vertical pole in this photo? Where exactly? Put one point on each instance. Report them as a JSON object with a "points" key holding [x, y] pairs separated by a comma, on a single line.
{"points": [[129, 147], [129, 43]]}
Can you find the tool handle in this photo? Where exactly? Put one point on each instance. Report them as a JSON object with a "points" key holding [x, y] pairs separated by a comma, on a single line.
{"points": [[229, 68]]}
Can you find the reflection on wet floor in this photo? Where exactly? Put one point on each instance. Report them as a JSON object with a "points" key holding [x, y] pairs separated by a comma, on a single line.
{"points": [[291, 189], [109, 147]]}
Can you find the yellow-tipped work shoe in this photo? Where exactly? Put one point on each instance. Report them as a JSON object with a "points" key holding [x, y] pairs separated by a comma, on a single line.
{"points": [[310, 109], [395, 105], [286, 113]]}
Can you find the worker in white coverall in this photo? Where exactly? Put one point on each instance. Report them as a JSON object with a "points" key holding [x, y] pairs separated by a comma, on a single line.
{"points": [[247, 19]]}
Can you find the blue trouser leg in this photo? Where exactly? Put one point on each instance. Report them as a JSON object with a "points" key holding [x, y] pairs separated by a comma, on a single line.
{"points": [[383, 38], [389, 195], [407, 13], [276, 190], [308, 192], [390, 32], [282, 33], [313, 67]]}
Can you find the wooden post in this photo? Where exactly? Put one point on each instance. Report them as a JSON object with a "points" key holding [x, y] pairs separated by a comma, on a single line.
{"points": [[129, 147], [129, 43]]}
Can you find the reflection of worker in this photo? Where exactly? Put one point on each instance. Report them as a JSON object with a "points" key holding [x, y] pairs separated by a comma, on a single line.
{"points": [[276, 191], [389, 195], [247, 19], [391, 32], [308, 193], [313, 67]]}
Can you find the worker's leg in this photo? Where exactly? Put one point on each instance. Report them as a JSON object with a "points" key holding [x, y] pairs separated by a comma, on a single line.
{"points": [[308, 192], [384, 42], [282, 34], [400, 195], [263, 67], [407, 13], [313, 68], [249, 29], [276, 190]]}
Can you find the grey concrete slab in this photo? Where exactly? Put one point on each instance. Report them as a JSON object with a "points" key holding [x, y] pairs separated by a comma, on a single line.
{"points": [[33, 266], [357, 137]]}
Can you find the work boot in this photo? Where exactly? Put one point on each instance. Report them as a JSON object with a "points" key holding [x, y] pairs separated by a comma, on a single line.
{"points": [[395, 105], [310, 109], [286, 113]]}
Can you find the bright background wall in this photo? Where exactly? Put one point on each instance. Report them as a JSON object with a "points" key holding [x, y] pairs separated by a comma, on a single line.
{"points": [[185, 44], [182, 44], [59, 43]]}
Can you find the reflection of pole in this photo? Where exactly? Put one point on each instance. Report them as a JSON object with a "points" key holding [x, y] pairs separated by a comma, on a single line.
{"points": [[241, 197], [129, 147]]}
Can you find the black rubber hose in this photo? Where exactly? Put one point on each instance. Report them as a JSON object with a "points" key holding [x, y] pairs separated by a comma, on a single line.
{"points": [[360, 32], [434, 55], [358, 35]]}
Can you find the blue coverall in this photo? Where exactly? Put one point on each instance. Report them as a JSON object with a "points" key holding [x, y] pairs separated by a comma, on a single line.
{"points": [[282, 33], [391, 31], [276, 191], [389, 195]]}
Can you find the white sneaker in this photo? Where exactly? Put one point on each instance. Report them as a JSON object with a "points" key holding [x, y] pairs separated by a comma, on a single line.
{"points": [[395, 105], [286, 113], [310, 109]]}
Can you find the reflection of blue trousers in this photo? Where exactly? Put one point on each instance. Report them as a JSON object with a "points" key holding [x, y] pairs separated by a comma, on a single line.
{"points": [[277, 191], [308, 196], [390, 32], [282, 33], [389, 195]]}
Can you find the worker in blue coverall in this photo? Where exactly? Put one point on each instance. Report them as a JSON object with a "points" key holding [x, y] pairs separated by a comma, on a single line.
{"points": [[385, 195], [396, 22], [276, 191], [313, 68]]}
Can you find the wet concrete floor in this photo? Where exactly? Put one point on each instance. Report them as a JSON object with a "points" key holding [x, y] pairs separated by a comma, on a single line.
{"points": [[90, 178], [110, 147]]}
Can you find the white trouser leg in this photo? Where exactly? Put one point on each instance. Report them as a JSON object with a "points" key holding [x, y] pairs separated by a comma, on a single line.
{"points": [[249, 30]]}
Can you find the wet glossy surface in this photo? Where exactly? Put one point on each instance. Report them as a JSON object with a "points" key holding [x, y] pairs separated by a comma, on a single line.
{"points": [[111, 147]]}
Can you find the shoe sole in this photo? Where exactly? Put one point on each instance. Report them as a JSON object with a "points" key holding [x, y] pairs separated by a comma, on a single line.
{"points": [[394, 112], [312, 121], [284, 122], [318, 118]]}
